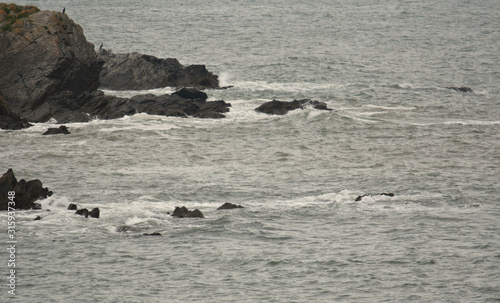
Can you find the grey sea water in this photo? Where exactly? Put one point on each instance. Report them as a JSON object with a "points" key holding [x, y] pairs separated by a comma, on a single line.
{"points": [[381, 65]]}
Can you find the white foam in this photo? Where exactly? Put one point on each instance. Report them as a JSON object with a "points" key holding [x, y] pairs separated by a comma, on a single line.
{"points": [[131, 93], [471, 122], [389, 107], [294, 87]]}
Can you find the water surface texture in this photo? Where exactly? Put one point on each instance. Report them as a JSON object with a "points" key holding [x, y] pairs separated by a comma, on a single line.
{"points": [[381, 65]]}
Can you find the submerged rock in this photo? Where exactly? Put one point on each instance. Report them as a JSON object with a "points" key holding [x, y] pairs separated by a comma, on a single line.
{"points": [[136, 71], [94, 213], [183, 212], [463, 89], [276, 107], [228, 205], [57, 130], [25, 192], [359, 198], [125, 228], [152, 234], [72, 207]]}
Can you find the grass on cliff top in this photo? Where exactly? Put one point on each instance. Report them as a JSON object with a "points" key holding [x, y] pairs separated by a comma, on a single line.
{"points": [[10, 13]]}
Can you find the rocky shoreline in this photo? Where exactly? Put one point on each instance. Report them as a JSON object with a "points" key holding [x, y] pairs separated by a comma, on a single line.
{"points": [[50, 70]]}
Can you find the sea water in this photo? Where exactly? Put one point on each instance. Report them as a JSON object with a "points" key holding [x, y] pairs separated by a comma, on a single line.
{"points": [[383, 66]]}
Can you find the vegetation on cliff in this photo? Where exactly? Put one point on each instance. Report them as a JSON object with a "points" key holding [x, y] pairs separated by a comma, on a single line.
{"points": [[11, 15]]}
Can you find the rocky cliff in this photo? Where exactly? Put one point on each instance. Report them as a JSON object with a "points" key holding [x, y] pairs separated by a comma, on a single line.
{"points": [[45, 63], [48, 69]]}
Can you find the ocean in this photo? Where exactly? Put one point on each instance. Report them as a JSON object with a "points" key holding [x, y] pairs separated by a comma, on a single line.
{"points": [[382, 66]]}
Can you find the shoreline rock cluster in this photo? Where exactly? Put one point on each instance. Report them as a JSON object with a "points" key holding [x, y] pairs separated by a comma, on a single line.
{"points": [[50, 70], [26, 192]]}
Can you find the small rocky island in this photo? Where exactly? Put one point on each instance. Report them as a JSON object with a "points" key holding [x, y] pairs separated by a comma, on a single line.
{"points": [[50, 70]]}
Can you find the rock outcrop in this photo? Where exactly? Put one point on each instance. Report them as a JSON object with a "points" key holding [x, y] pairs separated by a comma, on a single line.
{"points": [[57, 130], [49, 70], [94, 213], [135, 71], [26, 192], [183, 212], [228, 205], [463, 89], [46, 63], [9, 120], [276, 107]]}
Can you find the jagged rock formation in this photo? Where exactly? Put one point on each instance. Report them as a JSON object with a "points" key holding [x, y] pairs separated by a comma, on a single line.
{"points": [[94, 213], [26, 192], [183, 212], [57, 130], [49, 70], [46, 63], [134, 71]]}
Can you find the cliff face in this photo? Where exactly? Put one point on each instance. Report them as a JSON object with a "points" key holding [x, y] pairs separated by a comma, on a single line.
{"points": [[44, 60], [49, 70]]}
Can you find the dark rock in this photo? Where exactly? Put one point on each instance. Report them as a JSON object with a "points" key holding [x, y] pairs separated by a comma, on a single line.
{"points": [[463, 89], [196, 214], [83, 212], [191, 93], [228, 205], [209, 115], [37, 218], [276, 107], [26, 192], [72, 207], [359, 198], [94, 213], [9, 120], [152, 234], [136, 71], [57, 130], [183, 212], [46, 62], [49, 70]]}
